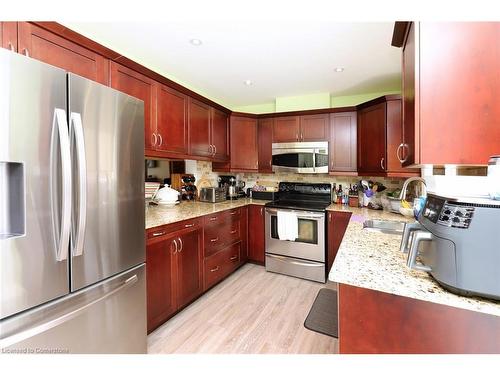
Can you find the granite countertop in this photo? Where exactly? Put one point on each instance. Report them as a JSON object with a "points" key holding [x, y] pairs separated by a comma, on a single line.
{"points": [[372, 260], [162, 215]]}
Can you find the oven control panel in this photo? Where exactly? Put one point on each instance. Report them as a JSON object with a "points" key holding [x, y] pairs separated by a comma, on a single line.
{"points": [[448, 214]]}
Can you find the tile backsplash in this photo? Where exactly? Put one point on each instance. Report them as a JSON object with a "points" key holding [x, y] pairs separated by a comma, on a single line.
{"points": [[203, 169]]}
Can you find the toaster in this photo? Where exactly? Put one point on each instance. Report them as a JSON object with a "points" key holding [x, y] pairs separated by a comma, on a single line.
{"points": [[212, 194], [457, 241]]}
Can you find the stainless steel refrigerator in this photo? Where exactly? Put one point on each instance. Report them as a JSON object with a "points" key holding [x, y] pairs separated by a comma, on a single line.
{"points": [[72, 243]]}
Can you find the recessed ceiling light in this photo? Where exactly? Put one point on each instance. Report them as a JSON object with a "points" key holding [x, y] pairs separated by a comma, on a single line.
{"points": [[195, 42], [247, 82], [339, 70]]}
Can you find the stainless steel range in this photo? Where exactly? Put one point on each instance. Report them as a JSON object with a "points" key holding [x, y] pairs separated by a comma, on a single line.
{"points": [[296, 230]]}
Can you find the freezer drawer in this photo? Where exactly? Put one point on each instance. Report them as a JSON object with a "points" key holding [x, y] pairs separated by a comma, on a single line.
{"points": [[109, 317]]}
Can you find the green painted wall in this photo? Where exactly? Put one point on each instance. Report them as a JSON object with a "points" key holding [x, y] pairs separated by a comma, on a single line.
{"points": [[303, 102], [298, 103], [350, 100]]}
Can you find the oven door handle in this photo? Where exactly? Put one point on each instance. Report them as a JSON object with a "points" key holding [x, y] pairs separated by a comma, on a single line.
{"points": [[306, 216], [296, 262]]}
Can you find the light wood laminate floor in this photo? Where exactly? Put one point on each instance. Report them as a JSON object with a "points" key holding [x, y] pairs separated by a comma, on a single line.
{"points": [[252, 311]]}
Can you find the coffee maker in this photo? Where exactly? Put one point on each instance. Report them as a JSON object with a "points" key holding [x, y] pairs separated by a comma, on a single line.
{"points": [[228, 183]]}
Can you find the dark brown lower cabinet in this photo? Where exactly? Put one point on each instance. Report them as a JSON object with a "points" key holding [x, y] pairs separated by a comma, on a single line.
{"points": [[373, 322], [174, 273], [256, 229], [221, 264], [244, 235], [337, 225]]}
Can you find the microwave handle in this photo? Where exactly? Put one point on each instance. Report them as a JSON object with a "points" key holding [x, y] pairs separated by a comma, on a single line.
{"points": [[411, 261]]}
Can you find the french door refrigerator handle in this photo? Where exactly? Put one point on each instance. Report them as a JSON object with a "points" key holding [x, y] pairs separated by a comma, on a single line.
{"points": [[62, 130], [30, 332], [77, 131]]}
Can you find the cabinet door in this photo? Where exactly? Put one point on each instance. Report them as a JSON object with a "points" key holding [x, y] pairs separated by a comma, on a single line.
{"points": [[171, 120], [189, 267], [8, 35], [410, 110], [220, 134], [256, 240], [394, 136], [244, 234], [314, 128], [244, 154], [343, 142], [160, 276], [135, 84], [42, 45], [199, 128], [337, 225], [371, 139], [459, 83], [286, 129], [265, 138]]}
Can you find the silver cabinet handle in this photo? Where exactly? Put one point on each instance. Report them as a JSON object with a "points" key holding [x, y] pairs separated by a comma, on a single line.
{"points": [[397, 153], [156, 234], [211, 149], [262, 211], [405, 146], [409, 229], [214, 239], [215, 149], [297, 136], [188, 225], [11, 47], [181, 245], [302, 136], [233, 231], [213, 218], [161, 139], [234, 257], [26, 52], [76, 127], [30, 332], [176, 246], [411, 261], [153, 139], [214, 269], [59, 121], [382, 164]]}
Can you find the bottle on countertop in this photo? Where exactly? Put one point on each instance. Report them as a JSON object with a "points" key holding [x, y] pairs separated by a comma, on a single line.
{"points": [[339, 194]]}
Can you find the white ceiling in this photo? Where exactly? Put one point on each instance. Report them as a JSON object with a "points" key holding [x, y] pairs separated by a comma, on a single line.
{"points": [[282, 57]]}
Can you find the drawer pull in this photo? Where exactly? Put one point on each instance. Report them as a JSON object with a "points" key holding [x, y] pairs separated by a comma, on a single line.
{"points": [[214, 239], [234, 212], [233, 231], [158, 234], [214, 269], [213, 218], [234, 257], [188, 225]]}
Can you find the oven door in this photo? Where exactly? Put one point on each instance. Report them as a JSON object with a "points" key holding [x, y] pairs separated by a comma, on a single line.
{"points": [[310, 243]]}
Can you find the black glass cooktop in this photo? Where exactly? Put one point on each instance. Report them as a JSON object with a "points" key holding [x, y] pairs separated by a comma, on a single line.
{"points": [[299, 205]]}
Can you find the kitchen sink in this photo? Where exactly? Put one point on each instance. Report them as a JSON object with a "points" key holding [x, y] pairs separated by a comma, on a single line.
{"points": [[384, 226]]}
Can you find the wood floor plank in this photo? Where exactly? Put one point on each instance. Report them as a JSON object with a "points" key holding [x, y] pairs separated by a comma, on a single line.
{"points": [[251, 312]]}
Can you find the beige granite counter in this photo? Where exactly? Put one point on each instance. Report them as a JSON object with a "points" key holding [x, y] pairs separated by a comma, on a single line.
{"points": [[372, 260], [162, 215]]}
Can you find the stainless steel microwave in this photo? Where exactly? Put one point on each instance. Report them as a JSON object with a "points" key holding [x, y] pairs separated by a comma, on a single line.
{"points": [[300, 157]]}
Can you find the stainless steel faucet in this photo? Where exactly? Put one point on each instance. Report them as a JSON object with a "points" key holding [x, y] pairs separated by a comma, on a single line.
{"points": [[407, 182]]}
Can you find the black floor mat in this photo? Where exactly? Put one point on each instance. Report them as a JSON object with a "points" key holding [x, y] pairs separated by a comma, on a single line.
{"points": [[323, 316]]}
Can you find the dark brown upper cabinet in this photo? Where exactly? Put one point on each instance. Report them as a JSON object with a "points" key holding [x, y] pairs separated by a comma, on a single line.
{"points": [[40, 44], [137, 85], [343, 143], [265, 140], [199, 129], [171, 120], [244, 144], [220, 135], [8, 35], [450, 91], [306, 128]]}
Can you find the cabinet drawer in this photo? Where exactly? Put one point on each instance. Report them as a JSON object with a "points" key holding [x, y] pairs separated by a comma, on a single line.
{"points": [[174, 227], [218, 217], [221, 264], [220, 235]]}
